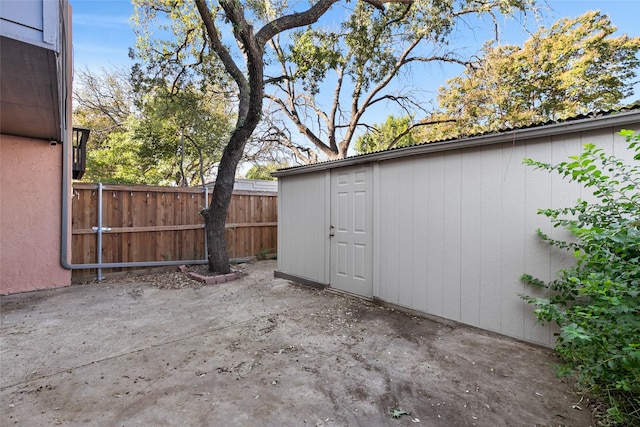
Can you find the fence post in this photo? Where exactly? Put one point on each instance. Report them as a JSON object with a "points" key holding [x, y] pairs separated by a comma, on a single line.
{"points": [[204, 230], [98, 230]]}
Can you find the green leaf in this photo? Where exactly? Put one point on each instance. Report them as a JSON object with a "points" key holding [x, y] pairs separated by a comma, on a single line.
{"points": [[595, 301], [397, 413]]}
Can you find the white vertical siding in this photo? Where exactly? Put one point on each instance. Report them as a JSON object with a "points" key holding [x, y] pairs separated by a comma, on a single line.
{"points": [[513, 232], [389, 242], [563, 193], [537, 254], [419, 255], [457, 230], [302, 227], [490, 244], [470, 236], [433, 219], [454, 230], [404, 273]]}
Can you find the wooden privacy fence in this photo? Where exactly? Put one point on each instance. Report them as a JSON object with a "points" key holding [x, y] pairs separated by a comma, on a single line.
{"points": [[141, 223]]}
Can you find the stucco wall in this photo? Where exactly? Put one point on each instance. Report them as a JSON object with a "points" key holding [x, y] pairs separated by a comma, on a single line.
{"points": [[30, 215]]}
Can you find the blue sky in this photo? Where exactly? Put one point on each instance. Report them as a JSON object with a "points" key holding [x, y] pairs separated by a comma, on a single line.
{"points": [[102, 34]]}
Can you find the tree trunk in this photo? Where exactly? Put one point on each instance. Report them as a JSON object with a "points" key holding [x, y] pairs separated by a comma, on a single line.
{"points": [[251, 94], [215, 214], [214, 220]]}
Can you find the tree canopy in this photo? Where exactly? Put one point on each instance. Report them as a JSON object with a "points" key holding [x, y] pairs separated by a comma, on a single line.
{"points": [[102, 101], [187, 130], [574, 67], [395, 131], [330, 78], [148, 136], [264, 171]]}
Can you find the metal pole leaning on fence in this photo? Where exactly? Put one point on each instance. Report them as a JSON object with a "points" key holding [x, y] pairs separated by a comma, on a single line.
{"points": [[99, 265], [99, 229], [106, 214], [204, 230]]}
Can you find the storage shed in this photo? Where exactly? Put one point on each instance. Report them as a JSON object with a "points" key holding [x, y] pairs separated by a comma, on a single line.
{"points": [[445, 228]]}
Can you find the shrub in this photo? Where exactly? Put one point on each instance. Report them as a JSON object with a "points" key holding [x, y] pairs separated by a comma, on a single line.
{"points": [[596, 303]]}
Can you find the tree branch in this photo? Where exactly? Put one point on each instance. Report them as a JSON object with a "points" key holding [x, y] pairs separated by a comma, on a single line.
{"points": [[359, 111], [294, 20], [414, 126], [219, 48], [309, 16], [334, 109], [436, 58], [302, 128]]}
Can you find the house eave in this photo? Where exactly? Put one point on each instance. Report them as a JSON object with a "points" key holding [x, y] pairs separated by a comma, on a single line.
{"points": [[30, 101]]}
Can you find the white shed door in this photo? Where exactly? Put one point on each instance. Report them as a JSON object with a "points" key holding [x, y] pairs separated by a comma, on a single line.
{"points": [[351, 230]]}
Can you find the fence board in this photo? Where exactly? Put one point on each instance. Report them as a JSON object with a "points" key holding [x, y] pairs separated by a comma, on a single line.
{"points": [[164, 223]]}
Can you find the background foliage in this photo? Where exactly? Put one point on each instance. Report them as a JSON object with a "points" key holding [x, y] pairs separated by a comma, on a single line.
{"points": [[145, 131], [576, 66]]}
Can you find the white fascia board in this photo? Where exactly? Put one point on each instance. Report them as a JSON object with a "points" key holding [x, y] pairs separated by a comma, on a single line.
{"points": [[51, 24], [33, 22]]}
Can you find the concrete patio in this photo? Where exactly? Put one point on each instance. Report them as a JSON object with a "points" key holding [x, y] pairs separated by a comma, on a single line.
{"points": [[260, 351]]}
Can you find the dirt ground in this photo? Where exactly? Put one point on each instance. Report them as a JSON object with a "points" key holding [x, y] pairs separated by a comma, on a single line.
{"points": [[260, 351]]}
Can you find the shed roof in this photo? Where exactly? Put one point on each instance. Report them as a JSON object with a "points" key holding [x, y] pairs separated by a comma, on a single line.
{"points": [[592, 121]]}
